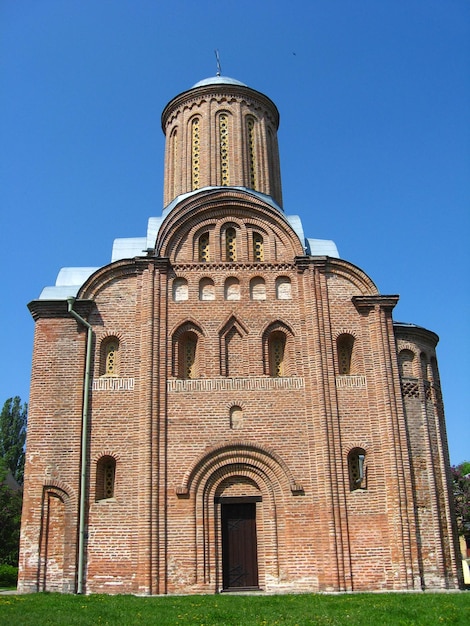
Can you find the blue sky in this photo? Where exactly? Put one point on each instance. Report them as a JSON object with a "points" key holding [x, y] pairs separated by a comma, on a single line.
{"points": [[374, 97]]}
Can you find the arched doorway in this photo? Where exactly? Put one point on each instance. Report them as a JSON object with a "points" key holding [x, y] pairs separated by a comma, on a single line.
{"points": [[239, 492]]}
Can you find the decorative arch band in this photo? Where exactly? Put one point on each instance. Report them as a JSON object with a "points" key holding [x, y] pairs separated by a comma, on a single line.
{"points": [[241, 454]]}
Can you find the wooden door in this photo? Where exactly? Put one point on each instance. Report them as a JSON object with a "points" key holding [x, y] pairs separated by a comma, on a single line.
{"points": [[239, 550]]}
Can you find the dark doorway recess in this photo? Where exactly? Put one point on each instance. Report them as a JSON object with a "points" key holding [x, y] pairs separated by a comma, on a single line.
{"points": [[239, 549]]}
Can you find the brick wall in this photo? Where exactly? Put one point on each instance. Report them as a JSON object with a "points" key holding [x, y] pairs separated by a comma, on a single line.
{"points": [[181, 445]]}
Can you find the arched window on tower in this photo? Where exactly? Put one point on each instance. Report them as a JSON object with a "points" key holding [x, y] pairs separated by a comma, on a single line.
{"points": [[105, 478], [173, 172], [224, 150], [258, 249], [344, 347], [230, 244], [274, 180], [195, 153], [357, 469], [250, 127], [109, 363]]}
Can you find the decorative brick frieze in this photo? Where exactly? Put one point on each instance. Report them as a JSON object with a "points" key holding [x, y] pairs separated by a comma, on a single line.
{"points": [[232, 267], [353, 382], [113, 384], [261, 383]]}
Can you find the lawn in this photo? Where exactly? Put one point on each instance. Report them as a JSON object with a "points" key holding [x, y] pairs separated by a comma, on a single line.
{"points": [[375, 609]]}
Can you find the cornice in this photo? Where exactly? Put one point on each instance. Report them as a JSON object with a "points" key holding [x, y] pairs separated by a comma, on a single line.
{"points": [[416, 333], [48, 309], [364, 303], [235, 92]]}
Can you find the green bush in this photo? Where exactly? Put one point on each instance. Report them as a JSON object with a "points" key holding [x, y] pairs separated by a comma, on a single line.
{"points": [[8, 575]]}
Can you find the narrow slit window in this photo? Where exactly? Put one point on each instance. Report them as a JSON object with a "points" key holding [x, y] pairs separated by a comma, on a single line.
{"points": [[258, 249], [195, 153], [231, 244], [187, 355], [203, 248], [173, 170], [224, 150], [105, 478], [344, 345], [357, 469], [277, 345], [251, 151], [109, 357]]}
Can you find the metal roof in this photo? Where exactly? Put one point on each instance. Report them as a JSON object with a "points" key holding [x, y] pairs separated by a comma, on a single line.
{"points": [[219, 80], [322, 247], [70, 279]]}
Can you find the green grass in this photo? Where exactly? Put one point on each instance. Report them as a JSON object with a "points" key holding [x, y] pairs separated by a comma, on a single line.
{"points": [[397, 609]]}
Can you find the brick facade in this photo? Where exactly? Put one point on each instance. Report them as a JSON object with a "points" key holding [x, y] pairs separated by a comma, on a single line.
{"points": [[275, 379]]}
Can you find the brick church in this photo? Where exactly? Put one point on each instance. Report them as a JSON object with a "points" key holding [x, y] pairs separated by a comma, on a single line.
{"points": [[229, 405]]}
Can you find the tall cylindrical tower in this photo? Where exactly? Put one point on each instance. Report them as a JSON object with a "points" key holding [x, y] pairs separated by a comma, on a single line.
{"points": [[221, 133]]}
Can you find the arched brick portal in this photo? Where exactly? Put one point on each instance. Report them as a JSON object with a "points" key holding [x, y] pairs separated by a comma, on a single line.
{"points": [[241, 473]]}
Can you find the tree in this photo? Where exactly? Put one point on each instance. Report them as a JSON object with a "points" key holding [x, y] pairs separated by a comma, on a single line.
{"points": [[13, 435], [461, 489], [11, 499]]}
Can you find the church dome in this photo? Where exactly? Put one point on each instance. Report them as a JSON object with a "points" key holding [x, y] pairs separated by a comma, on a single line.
{"points": [[221, 133], [219, 80]]}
